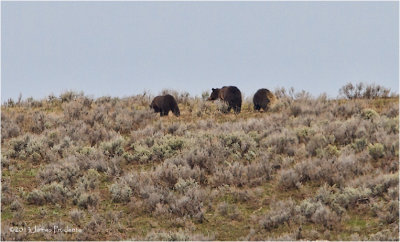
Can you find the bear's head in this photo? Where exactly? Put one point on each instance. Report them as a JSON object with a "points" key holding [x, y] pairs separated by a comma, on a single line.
{"points": [[215, 94]]}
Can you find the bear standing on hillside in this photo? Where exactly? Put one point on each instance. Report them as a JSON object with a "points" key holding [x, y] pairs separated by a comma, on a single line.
{"points": [[263, 99], [230, 94], [164, 104]]}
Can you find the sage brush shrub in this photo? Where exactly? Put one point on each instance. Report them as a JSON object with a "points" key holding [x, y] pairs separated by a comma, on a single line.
{"points": [[392, 213], [296, 110], [120, 192], [74, 110], [282, 143], [380, 184], [393, 111], [289, 179], [191, 203], [9, 128], [89, 181], [349, 196], [183, 185], [323, 215], [113, 148], [279, 214], [317, 143], [76, 216], [85, 199], [36, 197], [38, 123], [16, 205], [237, 174], [17, 147], [70, 95], [334, 170], [55, 193], [204, 158], [172, 170], [347, 109], [385, 235]]}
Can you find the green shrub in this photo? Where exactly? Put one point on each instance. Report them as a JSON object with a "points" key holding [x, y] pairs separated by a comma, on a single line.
{"points": [[114, 147], [331, 150], [376, 150], [304, 134], [141, 154], [167, 147], [369, 114], [87, 150]]}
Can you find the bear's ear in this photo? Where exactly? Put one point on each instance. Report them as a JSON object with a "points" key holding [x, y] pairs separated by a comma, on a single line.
{"points": [[213, 89]]}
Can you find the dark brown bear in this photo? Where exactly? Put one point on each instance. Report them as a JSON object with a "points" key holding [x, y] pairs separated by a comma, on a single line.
{"points": [[263, 99], [231, 95], [164, 104]]}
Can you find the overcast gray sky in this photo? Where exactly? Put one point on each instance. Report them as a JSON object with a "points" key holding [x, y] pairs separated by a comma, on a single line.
{"points": [[123, 48]]}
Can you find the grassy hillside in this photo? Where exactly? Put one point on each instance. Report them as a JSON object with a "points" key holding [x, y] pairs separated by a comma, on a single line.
{"points": [[309, 168]]}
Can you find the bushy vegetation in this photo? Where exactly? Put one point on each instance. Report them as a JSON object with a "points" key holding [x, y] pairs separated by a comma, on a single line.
{"points": [[309, 168], [362, 90]]}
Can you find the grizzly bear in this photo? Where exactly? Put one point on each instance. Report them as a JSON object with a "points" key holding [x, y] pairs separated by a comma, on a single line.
{"points": [[230, 94], [164, 104], [263, 99]]}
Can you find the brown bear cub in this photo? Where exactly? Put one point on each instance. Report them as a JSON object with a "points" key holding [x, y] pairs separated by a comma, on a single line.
{"points": [[164, 104], [230, 94], [263, 99]]}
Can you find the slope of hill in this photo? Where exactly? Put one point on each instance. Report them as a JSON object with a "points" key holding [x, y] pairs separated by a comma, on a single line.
{"points": [[111, 169]]}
